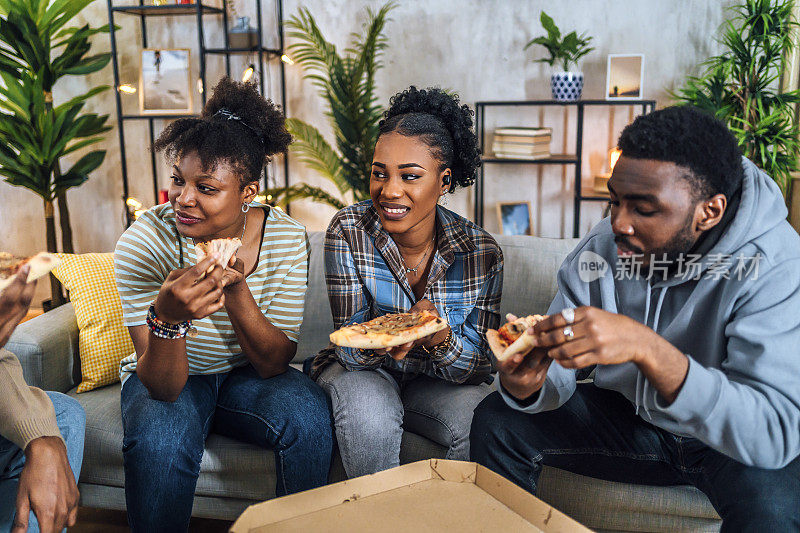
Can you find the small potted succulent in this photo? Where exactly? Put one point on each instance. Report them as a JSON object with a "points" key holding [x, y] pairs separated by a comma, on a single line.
{"points": [[565, 85]]}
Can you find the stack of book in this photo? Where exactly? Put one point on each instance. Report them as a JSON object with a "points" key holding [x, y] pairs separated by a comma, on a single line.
{"points": [[522, 143]]}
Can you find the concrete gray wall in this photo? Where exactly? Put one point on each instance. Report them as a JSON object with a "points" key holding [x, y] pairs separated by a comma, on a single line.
{"points": [[474, 47]]}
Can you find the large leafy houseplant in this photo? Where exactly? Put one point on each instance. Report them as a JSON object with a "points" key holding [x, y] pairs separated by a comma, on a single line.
{"points": [[566, 50], [741, 85], [347, 82], [37, 48]]}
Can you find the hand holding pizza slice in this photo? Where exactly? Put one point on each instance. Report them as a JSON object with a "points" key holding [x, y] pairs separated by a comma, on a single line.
{"points": [[512, 337], [40, 265], [225, 248], [388, 331]]}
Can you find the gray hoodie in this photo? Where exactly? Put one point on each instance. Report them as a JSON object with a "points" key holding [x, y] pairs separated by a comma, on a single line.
{"points": [[742, 334]]}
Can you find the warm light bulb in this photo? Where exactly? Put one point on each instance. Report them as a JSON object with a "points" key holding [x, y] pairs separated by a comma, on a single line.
{"points": [[260, 198], [200, 85], [138, 213], [613, 156], [286, 59], [248, 73], [269, 197], [126, 88], [133, 203]]}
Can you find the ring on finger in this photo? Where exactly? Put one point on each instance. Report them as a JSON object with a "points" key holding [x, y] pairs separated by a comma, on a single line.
{"points": [[568, 333], [568, 314]]}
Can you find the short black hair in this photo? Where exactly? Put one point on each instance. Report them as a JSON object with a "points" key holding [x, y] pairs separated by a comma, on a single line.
{"points": [[245, 143], [442, 123], [691, 138]]}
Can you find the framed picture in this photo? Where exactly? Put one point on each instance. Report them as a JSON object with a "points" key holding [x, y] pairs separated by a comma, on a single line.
{"points": [[514, 218], [165, 81], [625, 77]]}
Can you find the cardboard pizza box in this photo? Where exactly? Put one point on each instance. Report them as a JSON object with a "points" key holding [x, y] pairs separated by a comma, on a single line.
{"points": [[433, 495]]}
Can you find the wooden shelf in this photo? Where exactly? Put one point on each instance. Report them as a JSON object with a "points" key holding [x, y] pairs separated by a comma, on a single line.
{"points": [[554, 159], [165, 116], [254, 50], [168, 10]]}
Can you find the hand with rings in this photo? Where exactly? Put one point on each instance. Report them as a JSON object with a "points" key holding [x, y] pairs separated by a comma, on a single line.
{"points": [[577, 338]]}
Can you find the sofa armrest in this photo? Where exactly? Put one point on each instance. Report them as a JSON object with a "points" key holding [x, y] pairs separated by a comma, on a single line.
{"points": [[47, 347]]}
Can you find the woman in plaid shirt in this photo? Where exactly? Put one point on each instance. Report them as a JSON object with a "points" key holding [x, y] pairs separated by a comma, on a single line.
{"points": [[400, 252]]}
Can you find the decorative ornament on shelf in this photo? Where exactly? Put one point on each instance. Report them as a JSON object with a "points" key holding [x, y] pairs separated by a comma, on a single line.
{"points": [[242, 35], [565, 85]]}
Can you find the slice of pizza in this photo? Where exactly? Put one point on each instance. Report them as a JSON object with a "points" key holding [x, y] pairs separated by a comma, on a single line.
{"points": [[41, 264], [512, 337], [389, 330], [226, 248]]}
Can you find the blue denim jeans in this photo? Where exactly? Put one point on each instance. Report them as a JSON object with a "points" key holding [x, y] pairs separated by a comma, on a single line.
{"points": [[164, 441], [71, 421], [597, 434]]}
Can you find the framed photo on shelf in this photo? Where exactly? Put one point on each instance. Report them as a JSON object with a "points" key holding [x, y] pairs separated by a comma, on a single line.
{"points": [[165, 84], [514, 218], [625, 77]]}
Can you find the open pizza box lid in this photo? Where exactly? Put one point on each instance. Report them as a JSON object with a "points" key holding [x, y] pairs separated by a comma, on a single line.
{"points": [[433, 495]]}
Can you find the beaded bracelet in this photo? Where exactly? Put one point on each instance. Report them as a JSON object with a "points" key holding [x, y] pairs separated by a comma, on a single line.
{"points": [[165, 330], [440, 346]]}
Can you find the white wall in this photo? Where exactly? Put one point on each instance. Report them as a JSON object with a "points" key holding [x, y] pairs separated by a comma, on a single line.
{"points": [[471, 46]]}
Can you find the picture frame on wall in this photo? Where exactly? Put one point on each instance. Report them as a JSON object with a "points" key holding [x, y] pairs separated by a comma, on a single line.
{"points": [[625, 77], [515, 218], [165, 84]]}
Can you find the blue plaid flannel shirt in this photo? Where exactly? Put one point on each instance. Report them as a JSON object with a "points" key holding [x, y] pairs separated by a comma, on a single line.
{"points": [[366, 279]]}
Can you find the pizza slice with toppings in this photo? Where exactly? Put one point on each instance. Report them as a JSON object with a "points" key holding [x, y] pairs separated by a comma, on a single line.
{"points": [[389, 330]]}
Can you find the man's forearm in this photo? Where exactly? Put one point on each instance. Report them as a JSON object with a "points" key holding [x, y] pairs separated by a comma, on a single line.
{"points": [[26, 413], [665, 367]]}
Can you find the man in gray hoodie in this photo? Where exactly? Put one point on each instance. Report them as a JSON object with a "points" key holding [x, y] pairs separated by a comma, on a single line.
{"points": [[686, 304]]}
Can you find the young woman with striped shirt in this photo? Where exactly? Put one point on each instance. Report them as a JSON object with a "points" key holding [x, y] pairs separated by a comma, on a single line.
{"points": [[213, 348]]}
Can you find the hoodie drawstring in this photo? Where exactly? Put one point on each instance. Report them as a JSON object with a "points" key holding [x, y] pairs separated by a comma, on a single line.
{"points": [[640, 384]]}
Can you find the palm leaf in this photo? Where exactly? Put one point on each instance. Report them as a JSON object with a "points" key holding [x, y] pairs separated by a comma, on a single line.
{"points": [[347, 83], [315, 152]]}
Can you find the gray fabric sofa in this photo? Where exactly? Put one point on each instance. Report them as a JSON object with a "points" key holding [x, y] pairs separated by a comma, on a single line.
{"points": [[235, 475]]}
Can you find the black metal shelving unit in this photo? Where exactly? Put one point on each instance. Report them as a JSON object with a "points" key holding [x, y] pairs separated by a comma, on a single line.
{"points": [[575, 159], [198, 10]]}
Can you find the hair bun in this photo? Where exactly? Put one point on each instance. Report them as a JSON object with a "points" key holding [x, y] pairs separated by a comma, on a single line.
{"points": [[460, 151], [260, 115]]}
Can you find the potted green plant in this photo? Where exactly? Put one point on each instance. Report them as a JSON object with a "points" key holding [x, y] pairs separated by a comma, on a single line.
{"points": [[37, 48], [347, 82], [741, 86], [565, 85]]}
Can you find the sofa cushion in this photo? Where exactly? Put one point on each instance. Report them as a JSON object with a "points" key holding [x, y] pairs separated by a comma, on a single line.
{"points": [[529, 272], [317, 317], [610, 506], [103, 338]]}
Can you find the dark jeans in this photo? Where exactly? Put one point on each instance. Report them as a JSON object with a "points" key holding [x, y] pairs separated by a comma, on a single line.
{"points": [[164, 441], [597, 434]]}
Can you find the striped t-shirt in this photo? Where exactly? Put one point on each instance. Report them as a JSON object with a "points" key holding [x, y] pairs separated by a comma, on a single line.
{"points": [[152, 247]]}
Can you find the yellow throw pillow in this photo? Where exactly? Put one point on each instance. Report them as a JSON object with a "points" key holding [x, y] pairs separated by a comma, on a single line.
{"points": [[103, 339]]}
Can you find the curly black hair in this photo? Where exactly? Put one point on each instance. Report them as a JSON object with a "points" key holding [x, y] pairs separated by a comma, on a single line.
{"points": [[442, 123], [238, 126], [690, 138]]}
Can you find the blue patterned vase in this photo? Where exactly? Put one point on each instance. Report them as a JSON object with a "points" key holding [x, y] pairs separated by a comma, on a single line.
{"points": [[566, 86]]}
